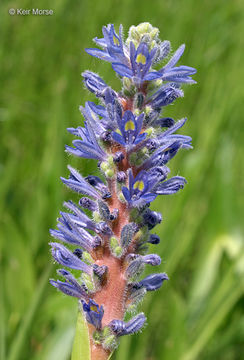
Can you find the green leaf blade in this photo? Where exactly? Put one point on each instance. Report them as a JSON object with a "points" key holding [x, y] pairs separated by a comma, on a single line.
{"points": [[81, 346]]}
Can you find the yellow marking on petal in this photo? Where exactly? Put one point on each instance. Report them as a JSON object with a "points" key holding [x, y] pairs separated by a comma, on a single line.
{"points": [[141, 59], [94, 308], [129, 125], [93, 115], [115, 40], [118, 131], [139, 185]]}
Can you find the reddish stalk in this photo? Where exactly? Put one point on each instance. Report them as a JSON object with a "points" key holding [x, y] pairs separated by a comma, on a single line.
{"points": [[113, 294]]}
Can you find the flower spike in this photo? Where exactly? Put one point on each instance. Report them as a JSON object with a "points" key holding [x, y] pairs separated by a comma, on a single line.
{"points": [[105, 238]]}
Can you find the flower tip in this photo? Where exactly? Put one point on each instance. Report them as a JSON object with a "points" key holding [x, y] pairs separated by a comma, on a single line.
{"points": [[53, 283], [165, 276], [62, 272]]}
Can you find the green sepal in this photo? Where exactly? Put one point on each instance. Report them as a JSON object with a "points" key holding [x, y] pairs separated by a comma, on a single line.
{"points": [[133, 158], [131, 308], [96, 216], [118, 251], [143, 234], [110, 341], [97, 337], [150, 132], [135, 217], [137, 158], [121, 197], [109, 173], [108, 167], [129, 89], [87, 257], [104, 166], [115, 248], [88, 281]]}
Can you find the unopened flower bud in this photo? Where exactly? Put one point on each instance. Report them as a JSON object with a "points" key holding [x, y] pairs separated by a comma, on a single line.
{"points": [[154, 239], [121, 176], [127, 234], [118, 157]]}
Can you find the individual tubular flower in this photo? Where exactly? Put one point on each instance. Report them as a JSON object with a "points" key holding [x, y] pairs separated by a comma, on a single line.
{"points": [[179, 74], [94, 83], [66, 258], [94, 313], [77, 183], [148, 184], [106, 237], [139, 189], [165, 96], [112, 44], [121, 328], [68, 289], [152, 282], [87, 147], [140, 62], [110, 112], [71, 286], [129, 130]]}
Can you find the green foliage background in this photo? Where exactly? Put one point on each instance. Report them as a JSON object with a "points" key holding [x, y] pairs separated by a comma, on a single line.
{"points": [[198, 313]]}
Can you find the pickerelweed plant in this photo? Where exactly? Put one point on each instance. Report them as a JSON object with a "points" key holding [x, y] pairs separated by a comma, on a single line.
{"points": [[125, 133]]}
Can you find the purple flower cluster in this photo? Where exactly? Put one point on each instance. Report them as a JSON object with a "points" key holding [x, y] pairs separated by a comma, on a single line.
{"points": [[135, 60], [110, 228]]}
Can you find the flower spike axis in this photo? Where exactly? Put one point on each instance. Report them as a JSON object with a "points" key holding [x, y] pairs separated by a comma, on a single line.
{"points": [[106, 237]]}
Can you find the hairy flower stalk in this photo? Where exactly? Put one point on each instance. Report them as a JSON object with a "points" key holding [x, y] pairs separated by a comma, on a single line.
{"points": [[106, 237]]}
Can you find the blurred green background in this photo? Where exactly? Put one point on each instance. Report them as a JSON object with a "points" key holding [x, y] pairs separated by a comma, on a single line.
{"points": [[198, 313]]}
